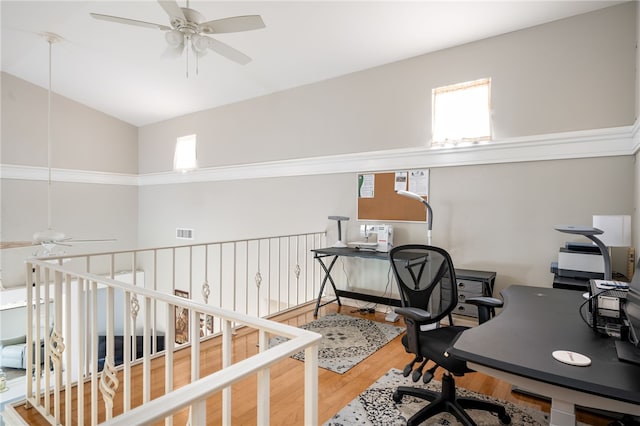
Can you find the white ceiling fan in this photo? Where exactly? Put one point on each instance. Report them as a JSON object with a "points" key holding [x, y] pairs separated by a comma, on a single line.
{"points": [[50, 238], [188, 27]]}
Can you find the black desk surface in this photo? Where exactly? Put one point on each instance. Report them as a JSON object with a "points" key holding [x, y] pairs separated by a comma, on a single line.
{"points": [[351, 252], [537, 321]]}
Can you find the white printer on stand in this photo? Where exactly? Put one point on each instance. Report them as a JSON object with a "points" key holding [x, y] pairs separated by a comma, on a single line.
{"points": [[577, 257], [578, 263]]}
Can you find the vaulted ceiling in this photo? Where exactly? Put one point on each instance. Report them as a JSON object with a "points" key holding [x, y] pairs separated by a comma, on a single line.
{"points": [[123, 70]]}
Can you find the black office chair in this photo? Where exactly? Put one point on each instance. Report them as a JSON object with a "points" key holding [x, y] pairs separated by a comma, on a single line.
{"points": [[428, 291]]}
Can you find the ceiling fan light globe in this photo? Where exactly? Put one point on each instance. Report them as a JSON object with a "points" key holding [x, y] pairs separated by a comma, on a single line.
{"points": [[199, 43], [48, 249], [174, 38]]}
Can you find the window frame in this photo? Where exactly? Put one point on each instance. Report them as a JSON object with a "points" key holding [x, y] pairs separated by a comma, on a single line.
{"points": [[457, 87], [185, 156]]}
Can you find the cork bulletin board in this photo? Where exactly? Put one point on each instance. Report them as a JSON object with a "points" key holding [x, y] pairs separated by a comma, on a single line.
{"points": [[377, 198]]}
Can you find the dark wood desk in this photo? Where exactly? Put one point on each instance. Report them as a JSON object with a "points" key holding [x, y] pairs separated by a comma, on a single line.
{"points": [[516, 346], [327, 258]]}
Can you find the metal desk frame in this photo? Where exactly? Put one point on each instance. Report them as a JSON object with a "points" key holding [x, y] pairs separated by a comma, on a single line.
{"points": [[487, 278], [334, 253]]}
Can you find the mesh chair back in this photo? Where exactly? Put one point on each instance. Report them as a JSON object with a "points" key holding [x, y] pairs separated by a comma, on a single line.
{"points": [[426, 278]]}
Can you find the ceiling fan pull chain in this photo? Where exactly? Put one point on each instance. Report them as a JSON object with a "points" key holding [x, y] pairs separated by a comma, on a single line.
{"points": [[187, 49]]}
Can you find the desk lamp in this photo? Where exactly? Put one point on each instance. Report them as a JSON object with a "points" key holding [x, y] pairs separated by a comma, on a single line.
{"points": [[591, 233], [416, 197], [339, 243]]}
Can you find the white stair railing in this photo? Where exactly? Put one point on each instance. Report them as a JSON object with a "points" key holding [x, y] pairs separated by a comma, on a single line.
{"points": [[92, 326]]}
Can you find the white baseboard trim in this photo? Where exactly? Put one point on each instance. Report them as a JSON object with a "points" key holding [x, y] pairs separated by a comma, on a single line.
{"points": [[615, 141]]}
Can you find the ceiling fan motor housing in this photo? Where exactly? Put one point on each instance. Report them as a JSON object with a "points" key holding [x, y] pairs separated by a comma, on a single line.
{"points": [[191, 25]]}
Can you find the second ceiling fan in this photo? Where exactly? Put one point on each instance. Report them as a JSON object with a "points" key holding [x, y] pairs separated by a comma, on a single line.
{"points": [[50, 238], [188, 27]]}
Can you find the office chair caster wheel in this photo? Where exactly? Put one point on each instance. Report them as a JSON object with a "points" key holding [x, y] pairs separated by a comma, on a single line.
{"points": [[407, 370], [397, 398], [505, 420]]}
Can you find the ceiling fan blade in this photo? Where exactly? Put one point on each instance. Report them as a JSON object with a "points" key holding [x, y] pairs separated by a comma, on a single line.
{"points": [[128, 21], [14, 244], [232, 25], [173, 10], [104, 240], [57, 243], [227, 51]]}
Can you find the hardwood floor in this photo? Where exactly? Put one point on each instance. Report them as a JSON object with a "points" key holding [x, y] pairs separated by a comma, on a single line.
{"points": [[335, 390]]}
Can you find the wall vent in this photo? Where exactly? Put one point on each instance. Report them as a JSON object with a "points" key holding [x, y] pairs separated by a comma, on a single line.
{"points": [[184, 234]]}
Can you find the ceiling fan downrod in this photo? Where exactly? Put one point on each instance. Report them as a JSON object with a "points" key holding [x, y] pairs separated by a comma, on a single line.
{"points": [[51, 39]]}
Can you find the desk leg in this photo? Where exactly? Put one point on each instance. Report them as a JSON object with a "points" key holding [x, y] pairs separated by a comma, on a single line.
{"points": [[327, 276], [563, 413]]}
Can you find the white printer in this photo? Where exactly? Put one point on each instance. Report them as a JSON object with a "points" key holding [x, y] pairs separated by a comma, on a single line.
{"points": [[582, 257], [580, 260]]}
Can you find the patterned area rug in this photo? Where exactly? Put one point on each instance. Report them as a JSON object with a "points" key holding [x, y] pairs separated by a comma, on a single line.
{"points": [[346, 340], [375, 407]]}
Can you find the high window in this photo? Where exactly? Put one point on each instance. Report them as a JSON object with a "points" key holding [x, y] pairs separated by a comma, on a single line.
{"points": [[184, 158], [461, 113]]}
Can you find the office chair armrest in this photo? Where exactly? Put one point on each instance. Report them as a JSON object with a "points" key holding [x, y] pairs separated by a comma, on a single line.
{"points": [[486, 307], [490, 302], [414, 318], [416, 314]]}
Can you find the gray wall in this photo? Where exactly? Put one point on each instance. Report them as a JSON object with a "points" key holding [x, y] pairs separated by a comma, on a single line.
{"points": [[502, 217], [490, 217], [221, 211], [573, 74], [82, 139]]}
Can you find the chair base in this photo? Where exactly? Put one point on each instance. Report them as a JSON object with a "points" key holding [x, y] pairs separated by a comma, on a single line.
{"points": [[446, 401]]}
